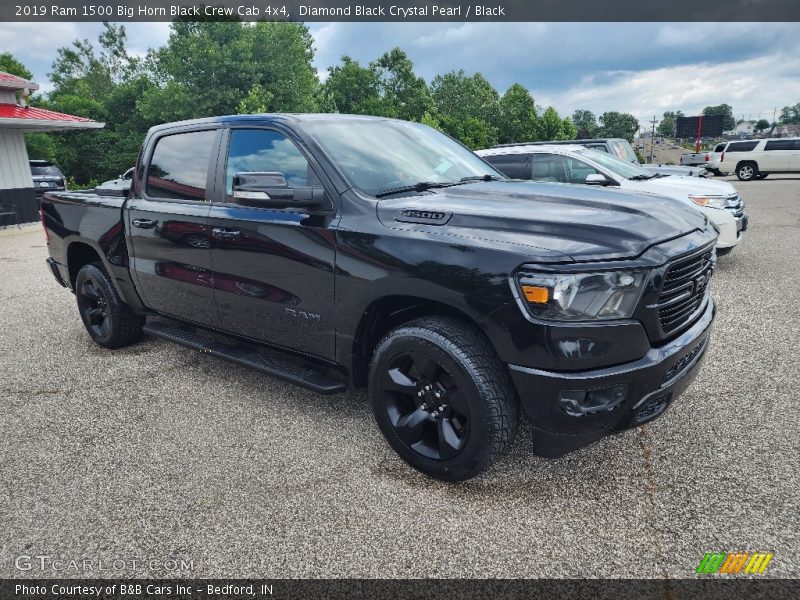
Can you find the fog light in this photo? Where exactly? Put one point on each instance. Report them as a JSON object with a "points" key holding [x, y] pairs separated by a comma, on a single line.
{"points": [[577, 403]]}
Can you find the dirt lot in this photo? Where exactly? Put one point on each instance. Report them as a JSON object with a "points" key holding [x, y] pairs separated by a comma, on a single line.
{"points": [[157, 452]]}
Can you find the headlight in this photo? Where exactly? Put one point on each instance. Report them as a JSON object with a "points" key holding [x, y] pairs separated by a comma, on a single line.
{"points": [[581, 296], [710, 201]]}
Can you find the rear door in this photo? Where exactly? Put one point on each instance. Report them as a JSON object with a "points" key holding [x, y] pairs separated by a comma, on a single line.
{"points": [[168, 225], [777, 156], [274, 268]]}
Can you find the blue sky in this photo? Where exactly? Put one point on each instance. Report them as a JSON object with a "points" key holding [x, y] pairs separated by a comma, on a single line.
{"points": [[643, 68]]}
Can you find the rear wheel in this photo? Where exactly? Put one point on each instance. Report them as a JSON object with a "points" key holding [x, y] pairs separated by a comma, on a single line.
{"points": [[108, 320], [442, 398], [747, 171]]}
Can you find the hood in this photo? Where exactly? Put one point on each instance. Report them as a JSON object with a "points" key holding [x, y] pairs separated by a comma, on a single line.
{"points": [[684, 186], [549, 222]]}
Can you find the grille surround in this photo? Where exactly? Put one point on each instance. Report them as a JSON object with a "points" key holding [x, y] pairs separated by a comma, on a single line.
{"points": [[685, 289]]}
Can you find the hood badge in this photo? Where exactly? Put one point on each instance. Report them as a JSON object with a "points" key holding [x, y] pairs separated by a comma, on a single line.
{"points": [[428, 217]]}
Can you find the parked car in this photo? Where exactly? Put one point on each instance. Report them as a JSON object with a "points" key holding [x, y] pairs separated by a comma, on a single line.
{"points": [[622, 149], [709, 159], [718, 200], [47, 177], [338, 251], [756, 159]]}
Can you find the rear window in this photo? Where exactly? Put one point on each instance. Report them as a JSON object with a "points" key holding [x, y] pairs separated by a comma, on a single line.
{"points": [[741, 146], [179, 167], [780, 145], [45, 170]]}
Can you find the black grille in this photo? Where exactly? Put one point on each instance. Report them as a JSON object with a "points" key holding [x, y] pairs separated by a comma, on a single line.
{"points": [[684, 290]]}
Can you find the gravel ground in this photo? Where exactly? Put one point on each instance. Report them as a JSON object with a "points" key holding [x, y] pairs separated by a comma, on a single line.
{"points": [[156, 452]]}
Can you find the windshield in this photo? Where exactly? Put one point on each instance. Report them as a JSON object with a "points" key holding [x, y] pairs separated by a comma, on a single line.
{"points": [[50, 170], [624, 150], [612, 163], [378, 155]]}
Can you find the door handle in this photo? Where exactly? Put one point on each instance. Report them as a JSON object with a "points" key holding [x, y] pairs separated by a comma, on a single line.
{"points": [[144, 223], [226, 234]]}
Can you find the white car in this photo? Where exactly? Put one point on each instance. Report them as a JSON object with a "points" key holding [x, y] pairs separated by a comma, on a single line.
{"points": [[755, 159], [718, 200]]}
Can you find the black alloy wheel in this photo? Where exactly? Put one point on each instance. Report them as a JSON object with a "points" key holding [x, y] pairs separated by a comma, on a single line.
{"points": [[93, 307], [108, 320], [427, 410]]}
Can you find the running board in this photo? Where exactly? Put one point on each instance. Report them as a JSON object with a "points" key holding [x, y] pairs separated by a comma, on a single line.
{"points": [[275, 366]]}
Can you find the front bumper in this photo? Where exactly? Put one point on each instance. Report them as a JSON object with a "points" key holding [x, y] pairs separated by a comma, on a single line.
{"points": [[571, 410], [730, 227]]}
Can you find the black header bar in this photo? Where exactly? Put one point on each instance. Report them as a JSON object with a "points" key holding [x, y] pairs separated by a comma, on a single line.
{"points": [[399, 10]]}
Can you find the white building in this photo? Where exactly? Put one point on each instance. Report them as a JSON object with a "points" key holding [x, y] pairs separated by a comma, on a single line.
{"points": [[16, 119]]}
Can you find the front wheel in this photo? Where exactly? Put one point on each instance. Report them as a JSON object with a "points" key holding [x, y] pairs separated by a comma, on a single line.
{"points": [[442, 398], [108, 320], [746, 171]]}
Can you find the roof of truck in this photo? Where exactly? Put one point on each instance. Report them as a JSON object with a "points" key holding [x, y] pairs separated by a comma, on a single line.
{"points": [[295, 117]]}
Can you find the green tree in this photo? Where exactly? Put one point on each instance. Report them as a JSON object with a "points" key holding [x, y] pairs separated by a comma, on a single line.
{"points": [[9, 64], [585, 123], [468, 107], [726, 110], [256, 101], [353, 89], [550, 125], [761, 125], [517, 116], [405, 95], [667, 126], [790, 114], [568, 130], [615, 124]]}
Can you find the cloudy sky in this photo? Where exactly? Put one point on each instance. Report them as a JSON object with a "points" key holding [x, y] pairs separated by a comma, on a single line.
{"points": [[642, 68]]}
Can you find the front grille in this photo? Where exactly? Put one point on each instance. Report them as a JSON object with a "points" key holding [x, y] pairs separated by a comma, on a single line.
{"points": [[684, 290]]}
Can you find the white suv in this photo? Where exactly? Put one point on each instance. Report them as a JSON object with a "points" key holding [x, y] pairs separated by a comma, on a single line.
{"points": [[755, 159], [718, 200]]}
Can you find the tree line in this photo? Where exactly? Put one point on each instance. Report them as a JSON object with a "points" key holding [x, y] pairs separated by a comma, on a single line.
{"points": [[221, 67]]}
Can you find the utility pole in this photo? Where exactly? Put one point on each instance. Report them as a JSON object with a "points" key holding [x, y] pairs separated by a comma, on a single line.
{"points": [[652, 138]]}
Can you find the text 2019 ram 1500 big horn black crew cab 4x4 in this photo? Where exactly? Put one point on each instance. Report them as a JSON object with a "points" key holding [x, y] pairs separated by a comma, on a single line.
{"points": [[340, 251]]}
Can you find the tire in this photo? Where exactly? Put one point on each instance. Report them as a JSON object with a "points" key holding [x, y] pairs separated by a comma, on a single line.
{"points": [[108, 320], [717, 172], [762, 175], [724, 251], [442, 398], [747, 171]]}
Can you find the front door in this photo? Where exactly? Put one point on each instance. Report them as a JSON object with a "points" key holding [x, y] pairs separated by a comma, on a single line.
{"points": [[168, 225], [273, 268]]}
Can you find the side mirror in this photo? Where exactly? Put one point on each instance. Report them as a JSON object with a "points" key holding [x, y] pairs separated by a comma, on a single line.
{"points": [[596, 179], [269, 189]]}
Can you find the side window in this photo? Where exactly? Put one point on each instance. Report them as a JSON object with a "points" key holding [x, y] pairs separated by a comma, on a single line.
{"points": [[720, 147], [561, 169], [515, 166], [179, 166], [780, 145], [741, 146], [255, 150]]}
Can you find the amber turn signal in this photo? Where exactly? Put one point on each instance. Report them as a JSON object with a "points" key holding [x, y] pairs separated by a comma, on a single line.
{"points": [[536, 294]]}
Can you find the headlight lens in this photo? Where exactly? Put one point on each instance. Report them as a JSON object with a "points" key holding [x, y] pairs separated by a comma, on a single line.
{"points": [[710, 201], [582, 296]]}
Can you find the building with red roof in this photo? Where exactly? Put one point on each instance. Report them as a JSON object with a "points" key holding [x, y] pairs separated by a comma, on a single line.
{"points": [[17, 192]]}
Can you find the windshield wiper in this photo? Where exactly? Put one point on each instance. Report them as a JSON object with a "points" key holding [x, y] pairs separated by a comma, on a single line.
{"points": [[641, 177], [420, 186], [486, 177]]}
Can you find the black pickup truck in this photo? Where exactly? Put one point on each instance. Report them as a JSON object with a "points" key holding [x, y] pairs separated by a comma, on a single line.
{"points": [[338, 252]]}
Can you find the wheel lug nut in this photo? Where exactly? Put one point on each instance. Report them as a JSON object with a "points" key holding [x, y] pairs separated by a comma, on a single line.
{"points": [[420, 393], [438, 394], [434, 414], [427, 387], [442, 407]]}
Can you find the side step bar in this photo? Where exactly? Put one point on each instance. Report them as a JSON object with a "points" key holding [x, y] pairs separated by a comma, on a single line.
{"points": [[274, 365]]}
